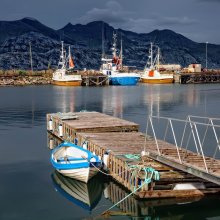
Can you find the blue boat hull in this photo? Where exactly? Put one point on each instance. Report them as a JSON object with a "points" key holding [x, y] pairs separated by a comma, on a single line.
{"points": [[123, 81]]}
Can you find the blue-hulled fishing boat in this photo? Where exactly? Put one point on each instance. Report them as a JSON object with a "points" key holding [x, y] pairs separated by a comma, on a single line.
{"points": [[75, 162], [112, 67]]}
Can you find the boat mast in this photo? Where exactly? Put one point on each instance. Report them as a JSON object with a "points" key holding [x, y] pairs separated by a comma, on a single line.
{"points": [[69, 57], [31, 58], [114, 46], [158, 58], [121, 54], [151, 55], [62, 57]]}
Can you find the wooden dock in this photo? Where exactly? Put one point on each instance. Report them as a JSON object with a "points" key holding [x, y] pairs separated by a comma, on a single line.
{"points": [[203, 77], [123, 143], [95, 80]]}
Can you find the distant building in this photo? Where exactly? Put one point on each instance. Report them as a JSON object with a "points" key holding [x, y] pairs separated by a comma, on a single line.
{"points": [[195, 68], [169, 67]]}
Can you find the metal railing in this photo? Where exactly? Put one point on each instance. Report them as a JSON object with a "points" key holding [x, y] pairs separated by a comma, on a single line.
{"points": [[195, 130]]}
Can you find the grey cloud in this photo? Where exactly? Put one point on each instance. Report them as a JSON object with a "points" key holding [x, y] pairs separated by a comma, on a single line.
{"points": [[113, 13], [175, 21]]}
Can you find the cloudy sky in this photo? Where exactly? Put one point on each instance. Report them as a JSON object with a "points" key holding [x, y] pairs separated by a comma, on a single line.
{"points": [[198, 20]]}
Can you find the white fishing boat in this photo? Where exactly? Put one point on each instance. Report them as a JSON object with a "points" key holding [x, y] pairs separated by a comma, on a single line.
{"points": [[75, 162], [152, 73], [85, 195], [65, 75], [113, 68]]}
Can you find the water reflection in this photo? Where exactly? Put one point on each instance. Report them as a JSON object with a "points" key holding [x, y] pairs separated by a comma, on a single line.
{"points": [[65, 98], [52, 141], [83, 195], [113, 102], [32, 103]]}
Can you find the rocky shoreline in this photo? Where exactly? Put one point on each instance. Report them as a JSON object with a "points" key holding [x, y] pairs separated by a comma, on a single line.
{"points": [[23, 81], [25, 77]]}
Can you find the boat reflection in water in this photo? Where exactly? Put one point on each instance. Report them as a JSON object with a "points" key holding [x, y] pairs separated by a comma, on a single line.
{"points": [[84, 195]]}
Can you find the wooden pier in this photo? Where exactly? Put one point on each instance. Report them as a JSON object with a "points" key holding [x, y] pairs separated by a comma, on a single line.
{"points": [[203, 77], [123, 144], [95, 80]]}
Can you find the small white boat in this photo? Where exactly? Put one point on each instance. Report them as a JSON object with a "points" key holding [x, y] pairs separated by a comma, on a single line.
{"points": [[85, 195], [152, 73], [64, 76], [75, 162]]}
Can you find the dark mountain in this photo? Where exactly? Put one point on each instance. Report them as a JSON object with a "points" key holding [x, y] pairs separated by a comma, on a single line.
{"points": [[89, 35], [16, 38], [26, 25]]}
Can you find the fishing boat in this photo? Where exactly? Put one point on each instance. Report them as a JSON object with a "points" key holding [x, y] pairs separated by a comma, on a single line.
{"points": [[75, 162], [65, 75], [152, 73], [113, 68], [85, 195]]}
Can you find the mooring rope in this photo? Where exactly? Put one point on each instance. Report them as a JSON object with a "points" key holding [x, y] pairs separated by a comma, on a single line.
{"points": [[153, 175], [107, 174]]}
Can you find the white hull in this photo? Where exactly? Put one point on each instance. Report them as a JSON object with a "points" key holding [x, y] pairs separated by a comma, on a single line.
{"points": [[154, 76], [60, 78], [75, 162], [81, 174]]}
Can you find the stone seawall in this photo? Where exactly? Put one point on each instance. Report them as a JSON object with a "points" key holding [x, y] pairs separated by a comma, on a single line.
{"points": [[25, 77], [24, 80]]}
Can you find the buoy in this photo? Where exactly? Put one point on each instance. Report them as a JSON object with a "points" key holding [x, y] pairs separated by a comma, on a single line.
{"points": [[144, 153], [189, 186], [106, 195], [60, 130], [105, 161], [84, 145], [51, 143], [50, 127]]}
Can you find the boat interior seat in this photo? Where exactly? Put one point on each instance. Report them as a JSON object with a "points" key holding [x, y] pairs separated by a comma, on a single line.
{"points": [[68, 158]]}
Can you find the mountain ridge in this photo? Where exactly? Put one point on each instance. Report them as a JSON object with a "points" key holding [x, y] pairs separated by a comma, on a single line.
{"points": [[86, 45]]}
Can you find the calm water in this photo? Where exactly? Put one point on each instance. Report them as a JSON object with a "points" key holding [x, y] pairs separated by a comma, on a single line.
{"points": [[27, 188]]}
